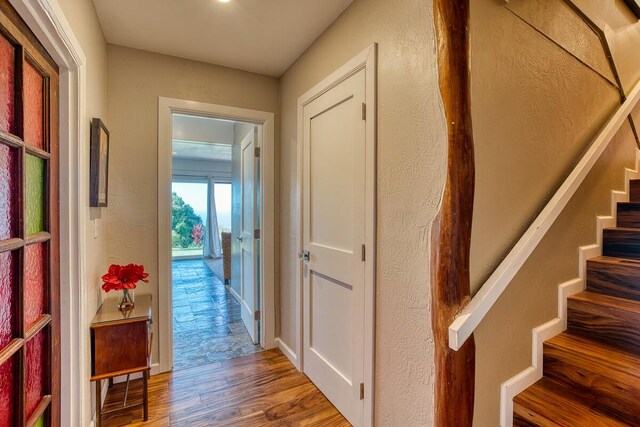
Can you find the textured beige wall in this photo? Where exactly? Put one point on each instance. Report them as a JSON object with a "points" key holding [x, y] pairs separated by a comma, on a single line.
{"points": [[411, 160], [136, 79], [535, 110], [83, 20], [623, 33]]}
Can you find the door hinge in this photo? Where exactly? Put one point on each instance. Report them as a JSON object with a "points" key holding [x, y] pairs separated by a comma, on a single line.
{"points": [[256, 315], [364, 111], [361, 391], [256, 233], [256, 151], [364, 253]]}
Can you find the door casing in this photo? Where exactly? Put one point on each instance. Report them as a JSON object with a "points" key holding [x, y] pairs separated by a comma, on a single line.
{"points": [[366, 60], [166, 107]]}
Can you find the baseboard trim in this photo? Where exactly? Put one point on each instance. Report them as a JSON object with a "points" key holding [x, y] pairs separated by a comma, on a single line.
{"points": [[291, 355], [512, 387], [517, 384], [234, 293]]}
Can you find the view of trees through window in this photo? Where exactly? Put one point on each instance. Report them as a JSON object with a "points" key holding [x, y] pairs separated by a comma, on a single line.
{"points": [[189, 215]]}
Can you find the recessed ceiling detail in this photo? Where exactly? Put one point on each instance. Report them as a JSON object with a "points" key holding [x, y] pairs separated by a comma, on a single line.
{"points": [[260, 36], [201, 138], [188, 150]]}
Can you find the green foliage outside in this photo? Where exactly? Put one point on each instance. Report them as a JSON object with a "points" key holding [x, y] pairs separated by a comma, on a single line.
{"points": [[183, 220]]}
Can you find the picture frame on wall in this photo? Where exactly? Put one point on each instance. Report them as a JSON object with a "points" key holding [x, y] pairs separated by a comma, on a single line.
{"points": [[99, 170]]}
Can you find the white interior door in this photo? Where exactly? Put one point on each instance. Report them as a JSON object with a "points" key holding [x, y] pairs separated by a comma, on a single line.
{"points": [[248, 242], [333, 238]]}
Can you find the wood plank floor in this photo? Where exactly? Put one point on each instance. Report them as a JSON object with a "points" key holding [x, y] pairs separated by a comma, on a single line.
{"points": [[263, 389]]}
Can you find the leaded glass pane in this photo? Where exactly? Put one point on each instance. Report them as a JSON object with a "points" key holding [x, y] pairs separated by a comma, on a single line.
{"points": [[35, 195], [7, 298], [7, 392], [8, 190], [7, 89], [36, 359], [34, 283], [33, 106]]}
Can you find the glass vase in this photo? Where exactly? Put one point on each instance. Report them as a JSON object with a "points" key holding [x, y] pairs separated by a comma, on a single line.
{"points": [[128, 300]]}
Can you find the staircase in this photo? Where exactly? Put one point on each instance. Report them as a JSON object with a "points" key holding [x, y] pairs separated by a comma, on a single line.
{"points": [[591, 373]]}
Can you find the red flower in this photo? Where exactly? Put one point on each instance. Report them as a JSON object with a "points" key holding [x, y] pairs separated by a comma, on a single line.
{"points": [[122, 277], [197, 232]]}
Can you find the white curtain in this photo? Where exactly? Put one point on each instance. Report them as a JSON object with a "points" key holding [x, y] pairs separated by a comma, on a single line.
{"points": [[212, 246]]}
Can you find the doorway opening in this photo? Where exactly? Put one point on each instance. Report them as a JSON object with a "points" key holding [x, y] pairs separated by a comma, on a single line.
{"points": [[215, 225]]}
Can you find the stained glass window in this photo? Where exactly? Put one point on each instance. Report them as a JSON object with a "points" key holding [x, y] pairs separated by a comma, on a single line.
{"points": [[7, 389], [35, 195], [7, 293], [7, 89], [33, 106], [35, 371], [8, 159], [34, 283]]}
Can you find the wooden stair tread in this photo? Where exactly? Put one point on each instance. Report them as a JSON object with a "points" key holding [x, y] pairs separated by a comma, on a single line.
{"points": [[605, 318], [607, 357], [607, 301], [629, 229], [614, 261], [548, 403], [606, 377]]}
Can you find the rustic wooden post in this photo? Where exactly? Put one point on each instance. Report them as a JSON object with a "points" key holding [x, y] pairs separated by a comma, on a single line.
{"points": [[451, 233]]}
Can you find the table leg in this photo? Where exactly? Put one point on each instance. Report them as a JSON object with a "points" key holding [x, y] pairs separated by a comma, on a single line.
{"points": [[126, 391], [98, 403], [145, 392]]}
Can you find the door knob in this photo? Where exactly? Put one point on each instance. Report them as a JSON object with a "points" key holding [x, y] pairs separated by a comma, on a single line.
{"points": [[239, 239]]}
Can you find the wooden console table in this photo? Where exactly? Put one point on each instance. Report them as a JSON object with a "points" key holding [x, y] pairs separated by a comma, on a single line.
{"points": [[121, 345]]}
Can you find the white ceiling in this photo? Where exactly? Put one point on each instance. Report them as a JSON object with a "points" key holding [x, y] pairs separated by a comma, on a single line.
{"points": [[187, 150], [202, 138], [262, 36], [202, 129]]}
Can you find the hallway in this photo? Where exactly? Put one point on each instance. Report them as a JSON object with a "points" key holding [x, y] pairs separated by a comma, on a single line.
{"points": [[263, 389], [207, 326]]}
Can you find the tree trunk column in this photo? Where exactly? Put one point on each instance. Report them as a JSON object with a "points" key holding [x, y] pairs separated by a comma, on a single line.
{"points": [[451, 232]]}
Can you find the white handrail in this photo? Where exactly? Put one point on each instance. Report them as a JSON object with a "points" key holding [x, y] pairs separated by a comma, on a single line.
{"points": [[471, 316]]}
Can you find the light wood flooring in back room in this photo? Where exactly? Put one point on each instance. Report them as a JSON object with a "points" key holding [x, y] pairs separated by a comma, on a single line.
{"points": [[262, 389]]}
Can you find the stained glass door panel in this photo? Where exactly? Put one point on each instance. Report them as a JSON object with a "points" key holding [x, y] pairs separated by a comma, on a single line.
{"points": [[7, 88], [7, 298], [29, 295], [35, 368], [34, 197], [34, 283], [7, 392], [33, 88], [8, 187]]}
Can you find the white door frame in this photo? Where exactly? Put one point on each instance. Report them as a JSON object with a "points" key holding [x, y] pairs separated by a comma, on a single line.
{"points": [[167, 106], [365, 60], [47, 21]]}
